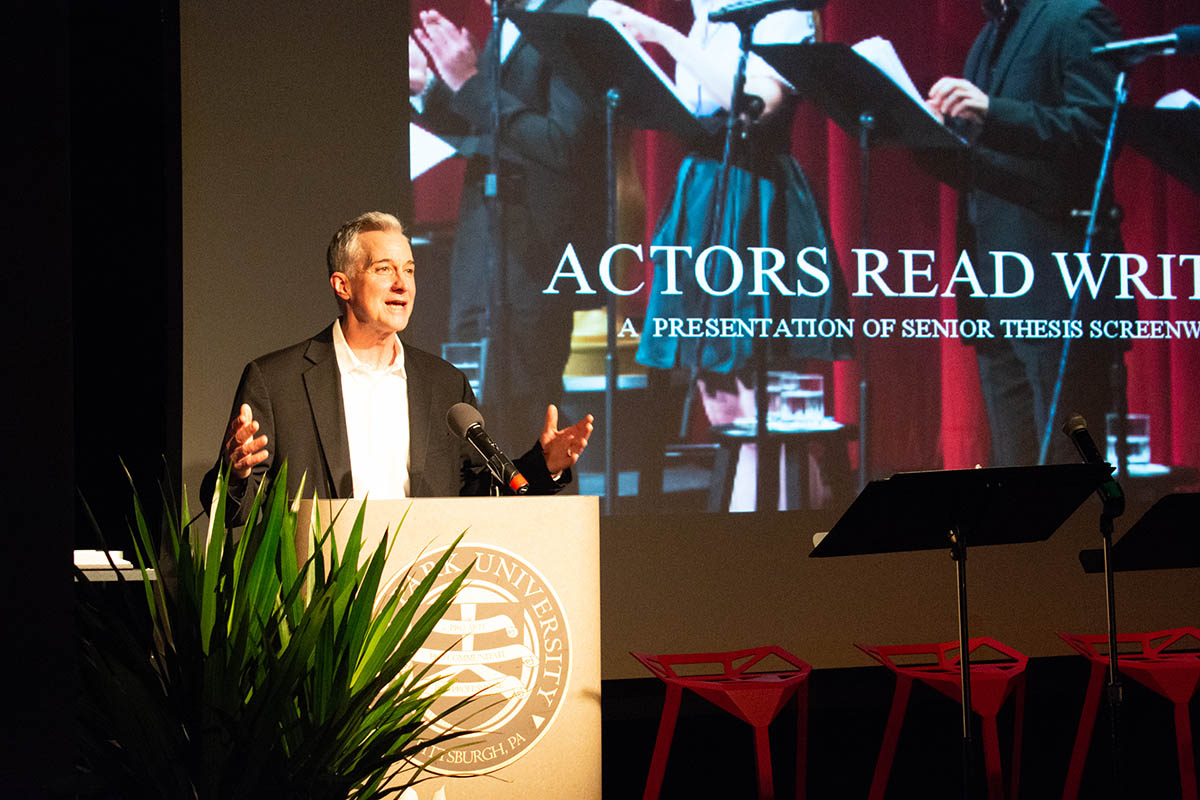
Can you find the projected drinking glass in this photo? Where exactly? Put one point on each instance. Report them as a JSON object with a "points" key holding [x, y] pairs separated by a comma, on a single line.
{"points": [[1137, 437], [778, 384], [805, 400]]}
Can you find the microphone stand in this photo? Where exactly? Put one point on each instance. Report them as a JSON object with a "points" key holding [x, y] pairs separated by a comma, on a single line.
{"points": [[1117, 379], [1113, 507], [1112, 499]]}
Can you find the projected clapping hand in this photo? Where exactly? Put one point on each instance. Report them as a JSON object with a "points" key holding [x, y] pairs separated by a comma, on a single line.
{"points": [[418, 67], [450, 47]]}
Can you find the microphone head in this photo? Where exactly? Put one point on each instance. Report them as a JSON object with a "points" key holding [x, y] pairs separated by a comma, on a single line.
{"points": [[462, 416], [1189, 39], [1074, 423]]}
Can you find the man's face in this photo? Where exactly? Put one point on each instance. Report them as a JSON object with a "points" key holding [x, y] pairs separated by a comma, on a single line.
{"points": [[379, 294]]}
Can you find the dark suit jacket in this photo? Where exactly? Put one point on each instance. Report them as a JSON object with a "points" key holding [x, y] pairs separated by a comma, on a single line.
{"points": [[296, 396], [1038, 152]]}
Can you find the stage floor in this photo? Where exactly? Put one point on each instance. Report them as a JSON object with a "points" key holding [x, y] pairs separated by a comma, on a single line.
{"points": [[712, 755]]}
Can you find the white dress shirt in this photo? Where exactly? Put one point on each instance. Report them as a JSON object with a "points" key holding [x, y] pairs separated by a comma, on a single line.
{"points": [[375, 402]]}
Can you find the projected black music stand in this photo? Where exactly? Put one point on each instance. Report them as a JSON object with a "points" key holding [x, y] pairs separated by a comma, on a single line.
{"points": [[870, 107], [948, 509], [596, 61], [1167, 136]]}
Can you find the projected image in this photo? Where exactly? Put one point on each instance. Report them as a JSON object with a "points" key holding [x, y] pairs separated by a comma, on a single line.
{"points": [[884, 259]]}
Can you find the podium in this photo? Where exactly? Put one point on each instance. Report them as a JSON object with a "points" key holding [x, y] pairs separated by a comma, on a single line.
{"points": [[523, 637]]}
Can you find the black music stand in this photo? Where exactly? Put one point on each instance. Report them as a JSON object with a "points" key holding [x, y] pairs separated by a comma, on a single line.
{"points": [[951, 508], [870, 107], [596, 61], [1166, 537]]}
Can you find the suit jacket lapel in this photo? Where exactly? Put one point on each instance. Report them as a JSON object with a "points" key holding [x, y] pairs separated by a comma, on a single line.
{"points": [[1024, 25], [323, 384], [977, 52], [420, 417]]}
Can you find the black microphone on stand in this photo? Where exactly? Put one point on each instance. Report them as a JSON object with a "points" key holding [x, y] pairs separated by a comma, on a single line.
{"points": [[466, 422], [752, 11], [1183, 41], [1110, 491]]}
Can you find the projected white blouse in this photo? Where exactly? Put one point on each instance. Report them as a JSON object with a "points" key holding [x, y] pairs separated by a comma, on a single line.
{"points": [[720, 42]]}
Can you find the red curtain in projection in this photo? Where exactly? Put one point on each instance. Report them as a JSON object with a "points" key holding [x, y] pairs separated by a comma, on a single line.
{"points": [[926, 409]]}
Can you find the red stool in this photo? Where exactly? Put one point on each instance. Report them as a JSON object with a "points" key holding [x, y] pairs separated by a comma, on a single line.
{"points": [[991, 684], [1173, 675], [751, 696]]}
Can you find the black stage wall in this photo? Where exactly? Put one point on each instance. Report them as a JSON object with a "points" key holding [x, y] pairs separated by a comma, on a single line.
{"points": [[92, 373]]}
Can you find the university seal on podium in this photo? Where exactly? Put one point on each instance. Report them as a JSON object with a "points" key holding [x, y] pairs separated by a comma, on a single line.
{"points": [[505, 643]]}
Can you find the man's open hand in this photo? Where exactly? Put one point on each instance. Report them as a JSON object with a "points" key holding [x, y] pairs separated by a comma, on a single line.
{"points": [[244, 450], [562, 448]]}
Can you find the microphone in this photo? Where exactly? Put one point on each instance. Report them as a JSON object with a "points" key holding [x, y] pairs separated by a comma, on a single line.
{"points": [[751, 11], [1110, 491], [1183, 41], [466, 422]]}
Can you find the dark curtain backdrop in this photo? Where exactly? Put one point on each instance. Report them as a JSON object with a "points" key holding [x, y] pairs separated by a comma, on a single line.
{"points": [[926, 409]]}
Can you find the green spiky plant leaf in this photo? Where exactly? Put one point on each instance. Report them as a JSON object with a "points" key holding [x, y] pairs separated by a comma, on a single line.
{"points": [[247, 674]]}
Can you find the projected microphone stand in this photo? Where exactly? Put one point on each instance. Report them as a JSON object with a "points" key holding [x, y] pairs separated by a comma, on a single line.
{"points": [[1117, 376], [494, 317], [742, 115], [736, 127]]}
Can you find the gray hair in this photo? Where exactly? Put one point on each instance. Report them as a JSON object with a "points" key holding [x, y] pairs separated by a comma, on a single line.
{"points": [[345, 254]]}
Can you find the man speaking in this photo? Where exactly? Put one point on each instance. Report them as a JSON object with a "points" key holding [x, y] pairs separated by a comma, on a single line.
{"points": [[357, 410]]}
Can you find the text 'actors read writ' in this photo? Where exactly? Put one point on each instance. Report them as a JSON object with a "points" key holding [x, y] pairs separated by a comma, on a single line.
{"points": [[719, 270]]}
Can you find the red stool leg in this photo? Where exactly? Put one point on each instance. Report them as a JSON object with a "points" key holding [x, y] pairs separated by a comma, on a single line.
{"points": [[891, 736], [1183, 743], [802, 741], [1018, 727], [1083, 737], [991, 758], [762, 759], [662, 743]]}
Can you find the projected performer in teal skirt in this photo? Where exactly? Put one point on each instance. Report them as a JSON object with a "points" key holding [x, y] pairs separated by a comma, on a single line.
{"points": [[768, 204]]}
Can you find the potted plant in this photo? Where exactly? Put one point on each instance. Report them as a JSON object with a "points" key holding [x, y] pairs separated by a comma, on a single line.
{"points": [[251, 675]]}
